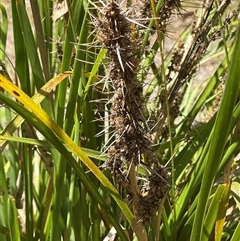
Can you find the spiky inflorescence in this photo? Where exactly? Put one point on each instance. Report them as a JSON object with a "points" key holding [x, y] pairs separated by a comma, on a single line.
{"points": [[119, 35], [155, 190], [168, 8], [127, 102]]}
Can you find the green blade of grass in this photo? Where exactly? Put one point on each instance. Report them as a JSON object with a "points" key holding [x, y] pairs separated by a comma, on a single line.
{"points": [[94, 70], [212, 213], [3, 194], [13, 220], [91, 153], [3, 31], [40, 36], [236, 234], [28, 188], [30, 44], [21, 59]]}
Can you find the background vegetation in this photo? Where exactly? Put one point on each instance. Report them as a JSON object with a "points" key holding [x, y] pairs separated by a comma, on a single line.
{"points": [[55, 99]]}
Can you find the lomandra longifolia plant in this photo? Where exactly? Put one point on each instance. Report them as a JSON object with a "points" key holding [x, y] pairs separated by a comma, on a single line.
{"points": [[141, 141], [123, 32]]}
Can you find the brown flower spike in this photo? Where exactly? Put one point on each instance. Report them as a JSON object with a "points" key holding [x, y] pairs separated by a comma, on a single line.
{"points": [[120, 36]]}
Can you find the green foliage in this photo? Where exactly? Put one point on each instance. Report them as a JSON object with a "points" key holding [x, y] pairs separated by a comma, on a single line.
{"points": [[54, 127]]}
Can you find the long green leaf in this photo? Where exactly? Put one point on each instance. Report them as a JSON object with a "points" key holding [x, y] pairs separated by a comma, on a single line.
{"points": [[13, 220], [212, 213], [30, 44], [236, 234], [91, 153], [3, 31]]}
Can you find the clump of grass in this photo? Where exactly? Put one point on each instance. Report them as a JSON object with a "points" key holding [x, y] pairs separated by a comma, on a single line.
{"points": [[171, 141]]}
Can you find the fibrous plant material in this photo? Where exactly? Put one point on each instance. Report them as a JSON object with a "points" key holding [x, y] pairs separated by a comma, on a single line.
{"points": [[131, 144]]}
